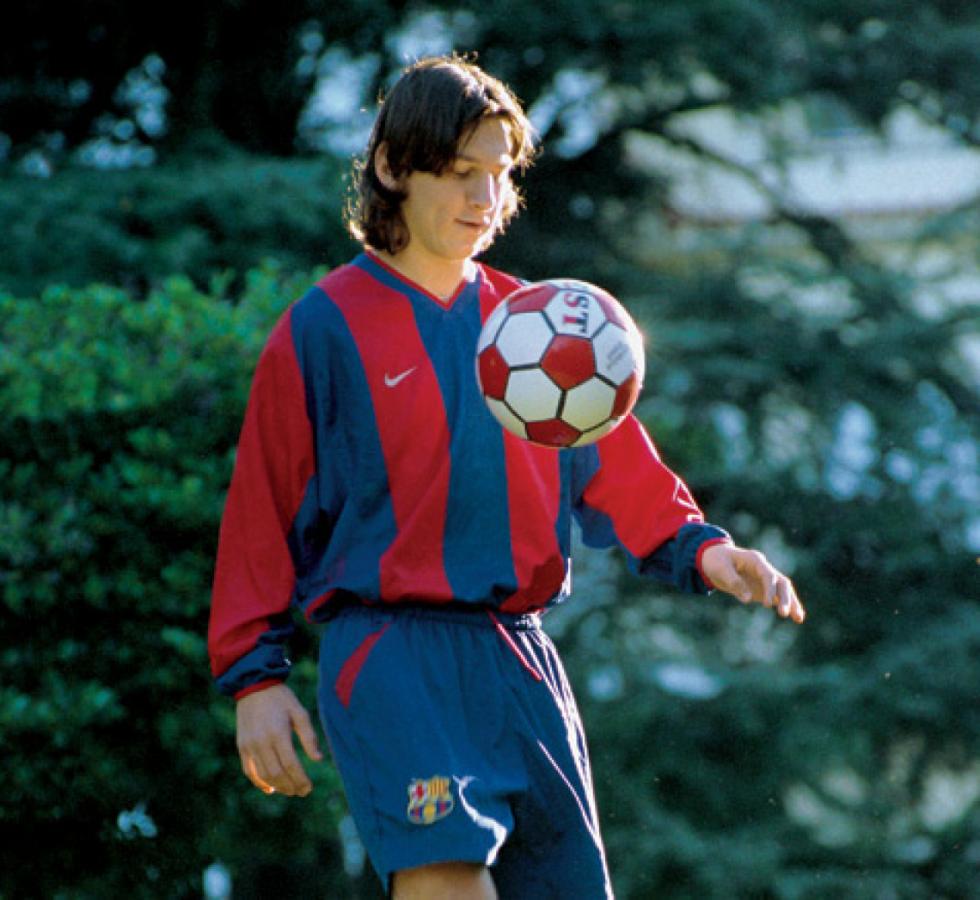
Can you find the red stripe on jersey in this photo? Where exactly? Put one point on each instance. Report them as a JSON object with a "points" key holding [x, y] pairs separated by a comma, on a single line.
{"points": [[648, 504], [412, 428], [497, 285], [254, 574], [533, 496]]}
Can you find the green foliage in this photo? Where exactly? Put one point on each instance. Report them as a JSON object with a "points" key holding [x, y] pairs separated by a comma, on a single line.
{"points": [[207, 218], [752, 759], [120, 420]]}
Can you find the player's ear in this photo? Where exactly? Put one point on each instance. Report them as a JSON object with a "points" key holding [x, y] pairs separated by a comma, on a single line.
{"points": [[382, 168]]}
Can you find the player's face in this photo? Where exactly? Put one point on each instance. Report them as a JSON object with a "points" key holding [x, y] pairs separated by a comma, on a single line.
{"points": [[452, 215]]}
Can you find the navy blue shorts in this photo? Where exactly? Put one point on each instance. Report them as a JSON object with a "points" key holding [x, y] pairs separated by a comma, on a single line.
{"points": [[457, 739]]}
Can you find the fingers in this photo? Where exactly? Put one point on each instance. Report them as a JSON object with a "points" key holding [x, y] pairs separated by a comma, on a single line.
{"points": [[770, 586], [252, 773], [789, 604], [278, 766], [307, 736], [266, 721], [749, 576], [274, 768]]}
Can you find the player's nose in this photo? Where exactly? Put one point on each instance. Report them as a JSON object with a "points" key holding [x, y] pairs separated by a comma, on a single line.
{"points": [[483, 192]]}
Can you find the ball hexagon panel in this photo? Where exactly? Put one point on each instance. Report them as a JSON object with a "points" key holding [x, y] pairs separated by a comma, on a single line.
{"points": [[506, 418], [532, 395], [589, 404], [575, 312], [568, 361], [523, 339], [616, 354], [488, 333]]}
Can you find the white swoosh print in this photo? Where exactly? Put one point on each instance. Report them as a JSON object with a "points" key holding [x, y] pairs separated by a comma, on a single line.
{"points": [[397, 379]]}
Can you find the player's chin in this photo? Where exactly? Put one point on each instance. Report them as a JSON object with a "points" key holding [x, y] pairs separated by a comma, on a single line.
{"points": [[477, 237], [484, 242]]}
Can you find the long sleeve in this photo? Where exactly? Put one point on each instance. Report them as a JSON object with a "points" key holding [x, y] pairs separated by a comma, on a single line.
{"points": [[624, 495], [255, 572]]}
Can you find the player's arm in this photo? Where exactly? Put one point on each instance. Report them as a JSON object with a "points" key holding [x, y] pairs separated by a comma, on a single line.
{"points": [[632, 499], [623, 495], [254, 574]]}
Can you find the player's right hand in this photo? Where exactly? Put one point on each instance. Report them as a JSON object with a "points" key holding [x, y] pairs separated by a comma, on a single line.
{"points": [[266, 721]]}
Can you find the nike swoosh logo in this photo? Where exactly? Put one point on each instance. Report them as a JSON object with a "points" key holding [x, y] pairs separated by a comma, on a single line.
{"points": [[397, 379]]}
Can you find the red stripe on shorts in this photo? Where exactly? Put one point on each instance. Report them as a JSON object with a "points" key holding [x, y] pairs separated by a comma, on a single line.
{"points": [[344, 685]]}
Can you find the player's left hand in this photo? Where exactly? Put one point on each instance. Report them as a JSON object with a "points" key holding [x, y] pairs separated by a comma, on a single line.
{"points": [[749, 576]]}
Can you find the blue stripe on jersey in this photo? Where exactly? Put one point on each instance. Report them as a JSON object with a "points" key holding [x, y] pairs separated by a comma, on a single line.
{"points": [[563, 526], [597, 527], [476, 552], [344, 524]]}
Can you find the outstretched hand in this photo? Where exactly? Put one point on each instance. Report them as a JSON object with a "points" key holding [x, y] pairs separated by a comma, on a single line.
{"points": [[266, 721], [749, 576]]}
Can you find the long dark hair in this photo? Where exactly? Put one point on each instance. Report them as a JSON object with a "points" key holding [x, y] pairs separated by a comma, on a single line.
{"points": [[434, 104]]}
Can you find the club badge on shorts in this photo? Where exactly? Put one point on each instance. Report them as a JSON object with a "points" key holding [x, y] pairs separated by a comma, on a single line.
{"points": [[429, 799]]}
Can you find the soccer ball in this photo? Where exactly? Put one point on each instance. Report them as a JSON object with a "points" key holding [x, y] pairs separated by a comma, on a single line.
{"points": [[560, 363]]}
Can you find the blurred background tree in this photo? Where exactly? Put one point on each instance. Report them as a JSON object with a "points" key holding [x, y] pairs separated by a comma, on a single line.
{"points": [[813, 372]]}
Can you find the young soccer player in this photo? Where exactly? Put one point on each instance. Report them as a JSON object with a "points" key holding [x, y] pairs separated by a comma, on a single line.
{"points": [[374, 491]]}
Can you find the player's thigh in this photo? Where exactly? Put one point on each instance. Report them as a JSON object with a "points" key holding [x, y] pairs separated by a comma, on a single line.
{"points": [[420, 736], [444, 881]]}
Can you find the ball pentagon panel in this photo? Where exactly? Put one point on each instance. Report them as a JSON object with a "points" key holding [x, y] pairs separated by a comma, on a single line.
{"points": [[569, 361], [553, 433], [492, 372], [626, 396], [532, 297]]}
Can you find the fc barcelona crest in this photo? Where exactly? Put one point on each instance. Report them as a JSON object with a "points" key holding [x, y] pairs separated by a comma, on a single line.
{"points": [[429, 799]]}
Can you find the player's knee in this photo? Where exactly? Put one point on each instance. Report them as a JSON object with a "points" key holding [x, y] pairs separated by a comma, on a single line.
{"points": [[444, 881]]}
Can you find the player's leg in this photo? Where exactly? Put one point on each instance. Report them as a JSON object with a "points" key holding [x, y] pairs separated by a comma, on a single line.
{"points": [[444, 881], [566, 858], [419, 733]]}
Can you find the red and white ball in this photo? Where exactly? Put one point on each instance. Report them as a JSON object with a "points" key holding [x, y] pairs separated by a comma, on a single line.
{"points": [[560, 363]]}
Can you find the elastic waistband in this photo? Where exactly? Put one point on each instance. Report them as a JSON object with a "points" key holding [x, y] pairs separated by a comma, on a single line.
{"points": [[476, 615]]}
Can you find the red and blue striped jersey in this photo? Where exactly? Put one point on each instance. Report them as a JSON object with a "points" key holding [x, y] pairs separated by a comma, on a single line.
{"points": [[369, 468]]}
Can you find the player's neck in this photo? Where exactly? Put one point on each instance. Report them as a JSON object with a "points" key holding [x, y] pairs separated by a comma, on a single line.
{"points": [[441, 278]]}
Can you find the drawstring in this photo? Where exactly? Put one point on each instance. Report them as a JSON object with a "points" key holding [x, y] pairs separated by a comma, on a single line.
{"points": [[509, 641]]}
